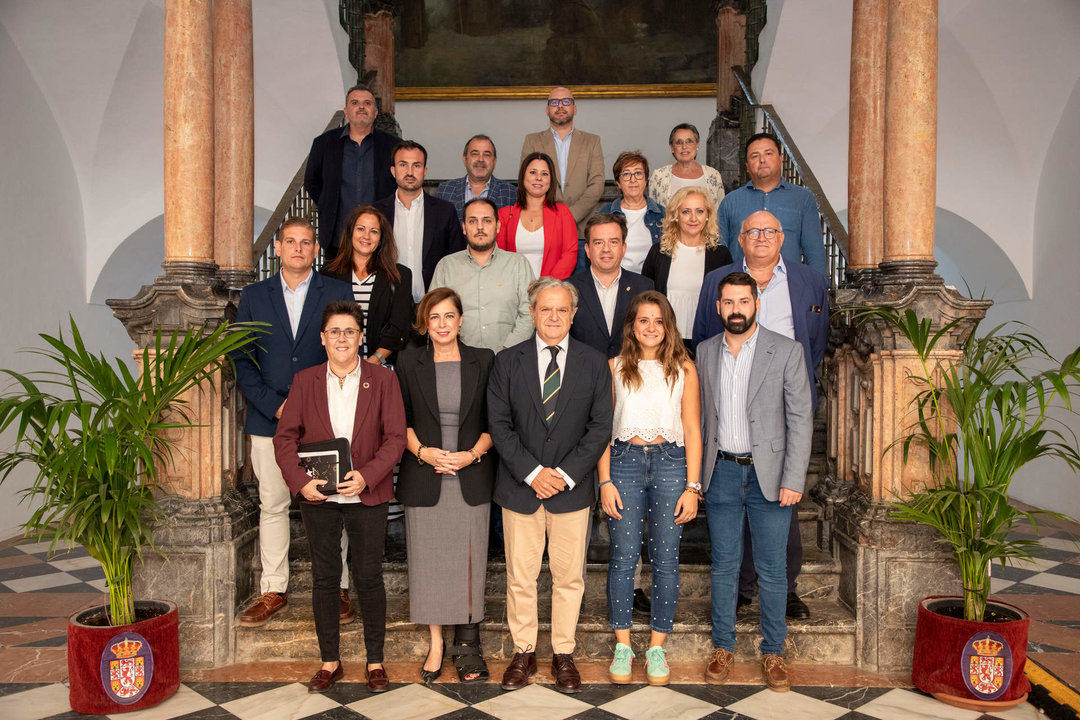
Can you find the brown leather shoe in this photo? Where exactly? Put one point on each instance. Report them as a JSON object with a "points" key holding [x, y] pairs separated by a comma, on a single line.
{"points": [[345, 614], [719, 667], [325, 679], [567, 677], [377, 680], [263, 609], [776, 674], [518, 671]]}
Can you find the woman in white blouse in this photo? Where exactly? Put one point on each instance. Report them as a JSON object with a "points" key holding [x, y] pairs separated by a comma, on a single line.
{"points": [[650, 473], [686, 171]]}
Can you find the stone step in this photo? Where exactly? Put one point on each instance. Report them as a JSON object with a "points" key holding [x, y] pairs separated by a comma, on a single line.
{"points": [[827, 637]]}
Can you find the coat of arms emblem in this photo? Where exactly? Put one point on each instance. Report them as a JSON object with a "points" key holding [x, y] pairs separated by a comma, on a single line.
{"points": [[127, 666], [987, 665]]}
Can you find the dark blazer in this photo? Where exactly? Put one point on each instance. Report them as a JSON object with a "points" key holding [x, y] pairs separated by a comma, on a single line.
{"points": [[378, 430], [575, 440], [809, 291], [322, 176], [266, 376], [589, 326], [657, 265], [419, 485], [388, 322], [442, 231]]}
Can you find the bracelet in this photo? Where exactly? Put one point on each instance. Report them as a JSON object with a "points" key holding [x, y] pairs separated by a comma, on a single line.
{"points": [[476, 455], [380, 357], [696, 492], [603, 484], [419, 460]]}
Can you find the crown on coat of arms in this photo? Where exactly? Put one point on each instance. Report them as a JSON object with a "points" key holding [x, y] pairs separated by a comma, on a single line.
{"points": [[987, 647], [128, 648]]}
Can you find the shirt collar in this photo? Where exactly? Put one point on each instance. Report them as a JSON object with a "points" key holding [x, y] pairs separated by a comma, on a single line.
{"points": [[541, 345], [600, 285], [782, 184], [494, 251], [780, 266], [302, 284], [748, 343], [355, 373], [558, 139]]}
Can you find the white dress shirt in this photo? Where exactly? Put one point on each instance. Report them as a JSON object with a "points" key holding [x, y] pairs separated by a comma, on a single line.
{"points": [[543, 357], [733, 431], [341, 396], [562, 155], [775, 312], [409, 236], [294, 300], [609, 297]]}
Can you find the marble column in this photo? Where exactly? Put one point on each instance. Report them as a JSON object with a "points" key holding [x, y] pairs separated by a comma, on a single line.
{"points": [[234, 142], [730, 52], [379, 56], [866, 136]]}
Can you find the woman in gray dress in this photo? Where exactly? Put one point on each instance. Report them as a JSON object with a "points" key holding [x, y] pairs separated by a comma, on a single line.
{"points": [[445, 483]]}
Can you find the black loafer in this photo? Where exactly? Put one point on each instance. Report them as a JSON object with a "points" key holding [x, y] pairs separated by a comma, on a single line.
{"points": [[796, 608], [742, 603], [642, 603]]}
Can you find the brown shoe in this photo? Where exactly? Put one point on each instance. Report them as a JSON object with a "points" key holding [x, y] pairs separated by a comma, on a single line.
{"points": [[518, 671], [263, 609], [346, 614], [377, 680], [776, 674], [567, 677], [325, 679], [719, 667]]}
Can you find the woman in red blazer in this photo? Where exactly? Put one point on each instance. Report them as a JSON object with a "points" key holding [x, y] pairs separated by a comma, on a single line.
{"points": [[362, 402], [537, 226]]}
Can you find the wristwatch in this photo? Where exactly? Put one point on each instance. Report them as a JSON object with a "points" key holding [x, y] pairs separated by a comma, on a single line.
{"points": [[380, 357], [694, 487]]}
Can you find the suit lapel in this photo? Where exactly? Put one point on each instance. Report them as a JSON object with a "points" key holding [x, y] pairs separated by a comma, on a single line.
{"points": [[763, 356], [590, 302], [717, 370], [799, 307], [530, 366], [312, 302], [322, 406], [364, 395], [426, 243], [575, 156], [622, 303], [277, 301], [570, 377], [425, 376], [470, 379]]}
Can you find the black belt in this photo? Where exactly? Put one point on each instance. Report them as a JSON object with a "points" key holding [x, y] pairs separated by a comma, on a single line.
{"points": [[737, 459]]}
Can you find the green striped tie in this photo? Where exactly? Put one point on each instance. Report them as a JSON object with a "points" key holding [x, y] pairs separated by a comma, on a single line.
{"points": [[552, 381]]}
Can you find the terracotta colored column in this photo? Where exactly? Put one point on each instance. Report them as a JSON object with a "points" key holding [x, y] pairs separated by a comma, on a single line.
{"points": [[189, 137], [730, 51], [379, 56], [911, 130], [866, 136], [234, 141]]}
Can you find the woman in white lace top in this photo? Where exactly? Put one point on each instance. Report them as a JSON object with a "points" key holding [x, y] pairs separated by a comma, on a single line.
{"points": [[650, 473]]}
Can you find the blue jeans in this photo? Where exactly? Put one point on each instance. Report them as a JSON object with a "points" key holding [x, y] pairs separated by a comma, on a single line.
{"points": [[650, 479], [734, 495]]}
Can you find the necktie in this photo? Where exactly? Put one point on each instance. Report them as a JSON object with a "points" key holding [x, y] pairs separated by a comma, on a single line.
{"points": [[552, 381]]}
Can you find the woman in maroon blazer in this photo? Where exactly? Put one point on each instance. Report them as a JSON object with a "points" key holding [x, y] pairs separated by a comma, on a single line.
{"points": [[361, 402]]}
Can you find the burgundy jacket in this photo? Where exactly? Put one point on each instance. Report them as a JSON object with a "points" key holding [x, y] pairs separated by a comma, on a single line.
{"points": [[378, 432]]}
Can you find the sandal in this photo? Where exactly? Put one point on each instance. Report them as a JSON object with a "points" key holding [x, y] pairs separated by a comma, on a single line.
{"points": [[467, 656]]}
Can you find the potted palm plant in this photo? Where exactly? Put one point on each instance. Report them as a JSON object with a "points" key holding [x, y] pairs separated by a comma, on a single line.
{"points": [[95, 432], [980, 419]]}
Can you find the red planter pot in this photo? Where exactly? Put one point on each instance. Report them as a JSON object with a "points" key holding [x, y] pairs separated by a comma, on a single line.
{"points": [[978, 665], [120, 668]]}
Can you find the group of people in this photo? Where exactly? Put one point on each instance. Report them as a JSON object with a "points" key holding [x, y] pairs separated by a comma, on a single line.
{"points": [[664, 361]]}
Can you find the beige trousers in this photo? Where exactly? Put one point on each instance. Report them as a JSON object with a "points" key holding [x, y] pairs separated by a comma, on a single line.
{"points": [[567, 537]]}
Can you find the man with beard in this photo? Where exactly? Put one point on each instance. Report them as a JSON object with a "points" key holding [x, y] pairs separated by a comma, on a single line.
{"points": [[493, 283], [425, 228], [757, 424], [479, 182]]}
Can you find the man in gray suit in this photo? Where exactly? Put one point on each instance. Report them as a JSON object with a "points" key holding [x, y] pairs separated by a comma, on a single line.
{"points": [[757, 426]]}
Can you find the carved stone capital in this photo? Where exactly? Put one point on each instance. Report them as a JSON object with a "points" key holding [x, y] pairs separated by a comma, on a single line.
{"points": [[187, 296]]}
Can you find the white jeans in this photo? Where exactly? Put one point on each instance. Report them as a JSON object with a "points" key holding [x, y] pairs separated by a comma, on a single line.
{"points": [[274, 499]]}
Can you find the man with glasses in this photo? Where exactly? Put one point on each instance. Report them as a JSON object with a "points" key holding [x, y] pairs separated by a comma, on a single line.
{"points": [[291, 303], [794, 303], [795, 206]]}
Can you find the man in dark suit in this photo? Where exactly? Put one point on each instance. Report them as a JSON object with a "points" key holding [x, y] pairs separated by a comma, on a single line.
{"points": [[292, 303], [794, 303], [549, 415], [426, 229], [349, 166], [479, 181], [605, 289]]}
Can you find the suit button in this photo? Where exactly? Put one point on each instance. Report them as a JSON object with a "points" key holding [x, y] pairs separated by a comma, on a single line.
{"points": [[295, 360]]}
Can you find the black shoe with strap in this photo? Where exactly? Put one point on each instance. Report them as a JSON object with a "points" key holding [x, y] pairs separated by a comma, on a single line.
{"points": [[467, 655]]}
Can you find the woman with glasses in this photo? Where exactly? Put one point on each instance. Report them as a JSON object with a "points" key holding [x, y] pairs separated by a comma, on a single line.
{"points": [[446, 482], [360, 402], [367, 258], [689, 248], [537, 226], [686, 171], [644, 218]]}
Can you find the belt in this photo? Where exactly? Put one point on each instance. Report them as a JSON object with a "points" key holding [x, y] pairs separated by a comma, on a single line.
{"points": [[737, 459]]}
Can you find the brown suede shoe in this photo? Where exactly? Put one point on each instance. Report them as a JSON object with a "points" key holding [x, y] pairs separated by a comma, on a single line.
{"points": [[263, 609], [325, 679], [719, 667], [776, 674], [377, 680], [518, 671], [567, 677], [345, 614]]}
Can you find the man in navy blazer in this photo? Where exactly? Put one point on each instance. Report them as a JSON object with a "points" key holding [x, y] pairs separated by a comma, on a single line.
{"points": [[426, 229], [479, 181], [802, 314], [349, 166], [605, 289], [292, 303]]}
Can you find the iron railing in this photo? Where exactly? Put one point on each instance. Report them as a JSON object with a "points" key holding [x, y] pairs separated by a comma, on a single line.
{"points": [[755, 117]]}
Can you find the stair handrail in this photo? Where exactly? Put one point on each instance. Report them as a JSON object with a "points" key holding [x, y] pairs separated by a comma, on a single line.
{"points": [[797, 171]]}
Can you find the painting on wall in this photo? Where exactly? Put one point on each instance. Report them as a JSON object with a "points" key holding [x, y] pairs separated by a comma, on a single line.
{"points": [[513, 48]]}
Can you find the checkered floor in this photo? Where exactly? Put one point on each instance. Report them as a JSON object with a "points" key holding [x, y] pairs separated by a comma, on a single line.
{"points": [[34, 569]]}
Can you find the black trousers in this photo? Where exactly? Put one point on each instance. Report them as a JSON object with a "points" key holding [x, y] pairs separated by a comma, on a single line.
{"points": [[747, 574], [366, 526]]}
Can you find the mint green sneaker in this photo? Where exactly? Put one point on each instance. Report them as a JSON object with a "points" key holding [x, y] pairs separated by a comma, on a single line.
{"points": [[656, 667], [621, 665]]}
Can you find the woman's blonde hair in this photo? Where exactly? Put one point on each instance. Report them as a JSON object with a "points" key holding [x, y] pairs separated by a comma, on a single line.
{"points": [[670, 237], [672, 353]]}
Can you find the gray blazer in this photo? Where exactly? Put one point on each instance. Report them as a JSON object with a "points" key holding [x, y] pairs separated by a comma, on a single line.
{"points": [[778, 402]]}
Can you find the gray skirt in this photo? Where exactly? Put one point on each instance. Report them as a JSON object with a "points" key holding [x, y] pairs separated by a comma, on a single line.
{"points": [[443, 542]]}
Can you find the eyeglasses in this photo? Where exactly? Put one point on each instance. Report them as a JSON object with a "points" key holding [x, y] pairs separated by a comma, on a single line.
{"points": [[635, 175], [349, 333], [753, 233], [556, 102], [686, 141]]}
